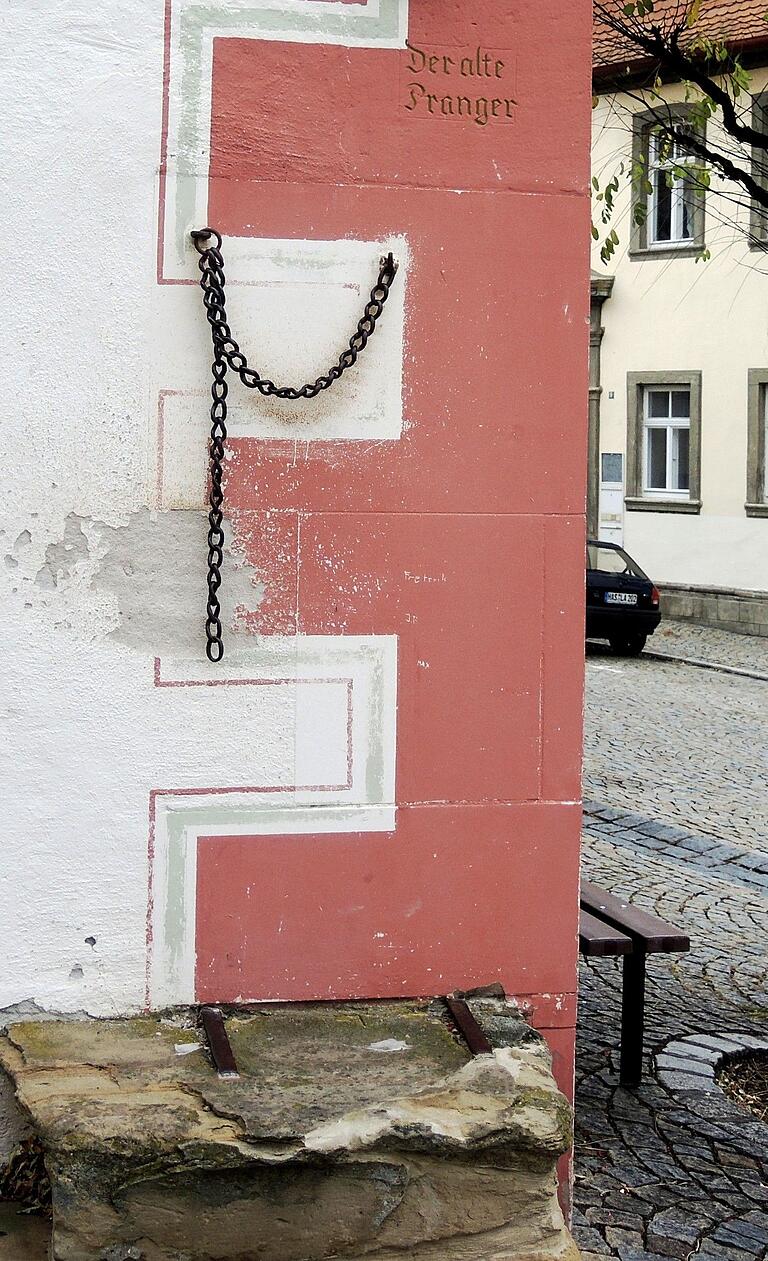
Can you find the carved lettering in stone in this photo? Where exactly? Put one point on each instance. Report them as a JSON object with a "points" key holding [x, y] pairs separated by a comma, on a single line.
{"points": [[466, 85]]}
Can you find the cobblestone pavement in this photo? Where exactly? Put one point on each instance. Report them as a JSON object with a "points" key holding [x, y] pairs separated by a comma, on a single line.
{"points": [[745, 652], [679, 744], [676, 819]]}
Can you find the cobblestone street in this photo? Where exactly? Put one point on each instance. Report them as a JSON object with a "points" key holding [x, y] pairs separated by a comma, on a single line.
{"points": [[676, 819]]}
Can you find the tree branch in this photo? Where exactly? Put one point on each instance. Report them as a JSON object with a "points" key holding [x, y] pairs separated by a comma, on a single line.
{"points": [[726, 167], [664, 48]]}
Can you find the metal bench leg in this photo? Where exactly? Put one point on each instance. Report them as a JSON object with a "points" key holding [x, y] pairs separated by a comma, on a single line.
{"points": [[632, 1018]]}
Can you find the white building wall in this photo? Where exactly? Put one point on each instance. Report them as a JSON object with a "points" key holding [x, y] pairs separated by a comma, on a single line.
{"points": [[668, 314], [106, 707]]}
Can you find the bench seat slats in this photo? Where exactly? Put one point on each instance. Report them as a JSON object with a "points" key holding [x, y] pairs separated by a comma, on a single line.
{"points": [[646, 930], [598, 938]]}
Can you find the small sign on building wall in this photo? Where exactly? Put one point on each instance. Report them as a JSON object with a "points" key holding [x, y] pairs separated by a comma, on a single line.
{"points": [[611, 528]]}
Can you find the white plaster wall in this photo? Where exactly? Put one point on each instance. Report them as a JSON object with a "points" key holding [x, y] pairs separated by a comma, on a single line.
{"points": [[98, 582], [668, 314], [79, 213]]}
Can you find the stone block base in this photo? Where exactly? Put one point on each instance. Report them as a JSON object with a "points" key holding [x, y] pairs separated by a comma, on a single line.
{"points": [[745, 612], [357, 1131]]}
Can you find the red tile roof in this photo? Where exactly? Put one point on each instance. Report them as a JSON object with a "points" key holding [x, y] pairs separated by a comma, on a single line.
{"points": [[738, 22]]}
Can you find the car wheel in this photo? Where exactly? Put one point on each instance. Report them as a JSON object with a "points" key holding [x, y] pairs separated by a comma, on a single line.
{"points": [[628, 645]]}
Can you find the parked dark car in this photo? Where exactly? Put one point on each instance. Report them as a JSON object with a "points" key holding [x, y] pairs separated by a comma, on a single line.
{"points": [[622, 602]]}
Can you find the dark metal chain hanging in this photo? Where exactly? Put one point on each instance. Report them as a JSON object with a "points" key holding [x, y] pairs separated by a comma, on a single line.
{"points": [[227, 353]]}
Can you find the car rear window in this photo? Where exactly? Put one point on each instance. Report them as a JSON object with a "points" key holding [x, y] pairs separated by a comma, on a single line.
{"points": [[611, 560]]}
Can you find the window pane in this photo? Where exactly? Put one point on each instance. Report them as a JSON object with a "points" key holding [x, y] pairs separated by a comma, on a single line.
{"points": [[685, 194], [681, 459], [662, 219], [680, 149], [606, 561], [681, 403], [656, 461], [658, 403], [610, 560]]}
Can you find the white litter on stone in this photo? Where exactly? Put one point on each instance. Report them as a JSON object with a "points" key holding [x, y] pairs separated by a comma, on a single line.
{"points": [[186, 1048], [389, 1044]]}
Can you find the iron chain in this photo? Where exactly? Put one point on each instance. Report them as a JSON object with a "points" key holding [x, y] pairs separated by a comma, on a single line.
{"points": [[227, 353]]}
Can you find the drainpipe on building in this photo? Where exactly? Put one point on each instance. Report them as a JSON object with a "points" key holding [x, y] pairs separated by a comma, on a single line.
{"points": [[600, 290]]}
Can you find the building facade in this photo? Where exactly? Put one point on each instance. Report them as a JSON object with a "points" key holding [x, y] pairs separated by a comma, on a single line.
{"points": [[376, 792], [679, 381]]}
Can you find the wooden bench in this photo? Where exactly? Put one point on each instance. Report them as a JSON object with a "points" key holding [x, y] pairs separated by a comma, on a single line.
{"points": [[610, 926]]}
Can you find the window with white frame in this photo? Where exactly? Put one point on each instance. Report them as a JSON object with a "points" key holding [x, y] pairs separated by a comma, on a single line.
{"points": [[663, 466], [666, 441], [671, 201], [669, 195]]}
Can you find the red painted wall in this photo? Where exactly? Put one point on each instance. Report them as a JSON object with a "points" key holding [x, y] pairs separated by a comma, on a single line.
{"points": [[484, 493]]}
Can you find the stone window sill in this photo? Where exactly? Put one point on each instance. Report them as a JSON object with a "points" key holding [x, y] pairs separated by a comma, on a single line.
{"points": [[672, 251], [634, 504], [756, 510]]}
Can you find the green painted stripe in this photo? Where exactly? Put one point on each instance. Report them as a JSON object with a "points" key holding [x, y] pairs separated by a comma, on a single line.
{"points": [[218, 819], [196, 20]]}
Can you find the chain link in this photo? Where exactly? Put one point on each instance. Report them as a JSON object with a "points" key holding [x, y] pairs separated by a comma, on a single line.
{"points": [[227, 353]]}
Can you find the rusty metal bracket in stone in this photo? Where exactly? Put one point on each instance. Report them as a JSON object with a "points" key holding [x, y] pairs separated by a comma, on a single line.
{"points": [[220, 1047], [212, 1020], [465, 1022]]}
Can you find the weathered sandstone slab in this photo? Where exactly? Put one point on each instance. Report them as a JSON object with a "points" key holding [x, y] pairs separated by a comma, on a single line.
{"points": [[355, 1131]]}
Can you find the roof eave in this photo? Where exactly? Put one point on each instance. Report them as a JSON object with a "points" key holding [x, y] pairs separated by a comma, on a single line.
{"points": [[629, 72]]}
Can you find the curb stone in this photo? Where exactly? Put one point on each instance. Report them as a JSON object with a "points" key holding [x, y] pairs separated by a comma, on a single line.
{"points": [[691, 1063]]}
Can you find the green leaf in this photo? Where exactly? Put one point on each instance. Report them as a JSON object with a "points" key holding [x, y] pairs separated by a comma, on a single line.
{"points": [[693, 13]]}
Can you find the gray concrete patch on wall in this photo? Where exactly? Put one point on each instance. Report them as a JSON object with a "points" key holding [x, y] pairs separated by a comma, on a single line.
{"points": [[155, 568], [144, 579]]}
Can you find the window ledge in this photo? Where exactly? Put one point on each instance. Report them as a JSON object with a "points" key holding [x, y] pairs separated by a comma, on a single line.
{"points": [[667, 251], [756, 510], [646, 504]]}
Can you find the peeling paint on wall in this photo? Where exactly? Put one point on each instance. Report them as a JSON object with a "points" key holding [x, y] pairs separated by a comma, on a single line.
{"points": [[63, 556], [150, 573], [154, 568]]}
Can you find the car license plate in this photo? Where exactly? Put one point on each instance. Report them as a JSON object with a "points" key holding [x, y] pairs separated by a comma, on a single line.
{"points": [[620, 597]]}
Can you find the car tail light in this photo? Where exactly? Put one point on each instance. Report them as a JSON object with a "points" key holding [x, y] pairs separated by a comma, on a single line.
{"points": [[655, 597]]}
